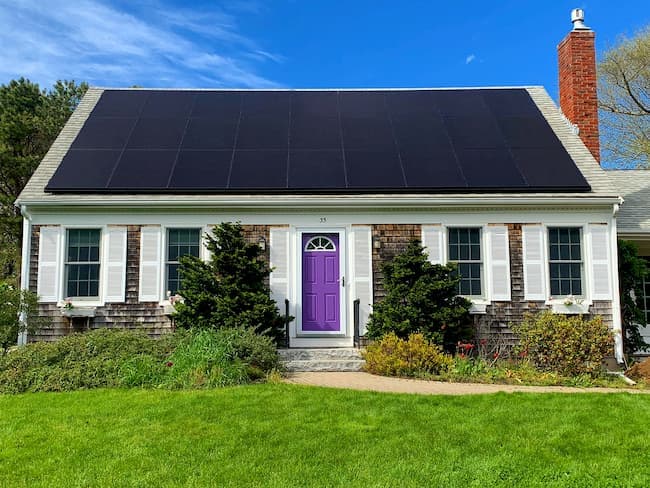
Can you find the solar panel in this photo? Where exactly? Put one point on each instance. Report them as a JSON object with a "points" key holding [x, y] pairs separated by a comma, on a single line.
{"points": [[157, 133], [210, 133], [490, 169], [83, 169], [542, 166], [259, 170], [323, 140], [105, 133], [316, 169], [120, 103], [201, 170], [373, 169], [146, 169]]}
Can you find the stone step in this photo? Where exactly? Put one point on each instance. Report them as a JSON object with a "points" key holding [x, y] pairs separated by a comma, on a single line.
{"points": [[324, 365], [320, 354]]}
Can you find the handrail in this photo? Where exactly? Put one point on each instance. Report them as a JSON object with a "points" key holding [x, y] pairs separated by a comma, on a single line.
{"points": [[357, 338], [286, 322]]}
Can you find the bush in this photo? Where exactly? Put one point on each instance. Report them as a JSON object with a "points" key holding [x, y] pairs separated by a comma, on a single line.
{"points": [[118, 358], [420, 298], [415, 356], [230, 290], [89, 360], [567, 345], [208, 358], [13, 303]]}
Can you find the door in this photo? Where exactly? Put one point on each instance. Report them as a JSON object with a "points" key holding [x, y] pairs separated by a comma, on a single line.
{"points": [[321, 286]]}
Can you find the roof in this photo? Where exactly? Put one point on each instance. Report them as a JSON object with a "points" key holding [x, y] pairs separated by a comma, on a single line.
{"points": [[179, 145], [634, 187]]}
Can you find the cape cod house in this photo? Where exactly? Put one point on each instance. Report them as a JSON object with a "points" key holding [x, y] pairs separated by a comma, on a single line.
{"points": [[332, 183]]}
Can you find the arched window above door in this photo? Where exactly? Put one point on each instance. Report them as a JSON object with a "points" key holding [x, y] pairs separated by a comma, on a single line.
{"points": [[320, 244]]}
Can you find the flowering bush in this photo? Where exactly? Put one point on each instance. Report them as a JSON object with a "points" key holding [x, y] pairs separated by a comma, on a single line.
{"points": [[415, 356], [568, 345]]}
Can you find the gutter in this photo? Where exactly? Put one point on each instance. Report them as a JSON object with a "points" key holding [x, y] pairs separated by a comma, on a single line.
{"points": [[330, 201], [24, 268]]}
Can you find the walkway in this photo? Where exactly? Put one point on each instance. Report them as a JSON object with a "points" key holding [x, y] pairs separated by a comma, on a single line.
{"points": [[365, 381]]}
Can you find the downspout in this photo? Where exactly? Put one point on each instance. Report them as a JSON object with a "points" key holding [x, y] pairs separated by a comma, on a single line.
{"points": [[24, 268], [617, 326]]}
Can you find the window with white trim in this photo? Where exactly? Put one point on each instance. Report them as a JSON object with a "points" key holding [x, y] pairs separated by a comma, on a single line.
{"points": [[82, 263], [565, 261], [180, 242], [464, 246]]}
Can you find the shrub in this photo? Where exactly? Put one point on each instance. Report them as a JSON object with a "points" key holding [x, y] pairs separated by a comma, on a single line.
{"points": [[415, 356], [632, 270], [420, 298], [13, 303], [568, 345], [118, 358], [230, 290], [207, 358], [89, 360]]}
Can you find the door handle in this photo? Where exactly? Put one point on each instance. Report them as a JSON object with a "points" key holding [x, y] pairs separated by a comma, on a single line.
{"points": [[342, 280]]}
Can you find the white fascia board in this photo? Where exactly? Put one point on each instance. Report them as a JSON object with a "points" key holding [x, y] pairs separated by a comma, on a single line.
{"points": [[330, 201]]}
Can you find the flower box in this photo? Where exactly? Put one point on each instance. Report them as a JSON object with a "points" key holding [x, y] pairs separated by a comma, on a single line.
{"points": [[87, 312]]}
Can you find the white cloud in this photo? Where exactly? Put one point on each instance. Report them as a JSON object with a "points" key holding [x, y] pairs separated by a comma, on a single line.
{"points": [[470, 58], [158, 45]]}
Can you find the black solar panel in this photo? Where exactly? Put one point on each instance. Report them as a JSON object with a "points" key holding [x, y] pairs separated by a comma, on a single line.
{"points": [[177, 141]]}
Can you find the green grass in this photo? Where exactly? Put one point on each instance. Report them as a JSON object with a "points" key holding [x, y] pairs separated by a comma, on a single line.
{"points": [[283, 435]]}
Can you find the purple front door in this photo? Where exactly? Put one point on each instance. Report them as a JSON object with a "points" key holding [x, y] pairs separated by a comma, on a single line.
{"points": [[321, 288]]}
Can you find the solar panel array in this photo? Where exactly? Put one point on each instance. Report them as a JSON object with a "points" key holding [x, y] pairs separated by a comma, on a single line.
{"points": [[137, 141]]}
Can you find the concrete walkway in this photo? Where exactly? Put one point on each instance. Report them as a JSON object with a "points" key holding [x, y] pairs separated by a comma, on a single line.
{"points": [[365, 381]]}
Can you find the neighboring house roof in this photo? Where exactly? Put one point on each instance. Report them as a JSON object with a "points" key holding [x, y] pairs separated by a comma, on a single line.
{"points": [[425, 144], [634, 186]]}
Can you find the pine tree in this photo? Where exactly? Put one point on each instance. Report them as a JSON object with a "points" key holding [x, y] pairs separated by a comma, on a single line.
{"points": [[420, 297], [230, 289]]}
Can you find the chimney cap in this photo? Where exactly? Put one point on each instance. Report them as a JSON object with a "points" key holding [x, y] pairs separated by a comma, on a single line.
{"points": [[578, 19]]}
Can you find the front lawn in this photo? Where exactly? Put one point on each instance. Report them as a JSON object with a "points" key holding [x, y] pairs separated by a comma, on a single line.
{"points": [[285, 435]]}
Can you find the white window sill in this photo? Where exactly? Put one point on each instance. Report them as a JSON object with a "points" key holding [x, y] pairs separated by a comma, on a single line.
{"points": [[558, 306]]}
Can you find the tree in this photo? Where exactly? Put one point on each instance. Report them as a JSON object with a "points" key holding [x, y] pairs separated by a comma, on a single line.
{"points": [[14, 304], [631, 271], [420, 297], [624, 100], [230, 289], [30, 120]]}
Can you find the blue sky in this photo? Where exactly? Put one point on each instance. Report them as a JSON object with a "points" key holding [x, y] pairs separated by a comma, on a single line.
{"points": [[299, 43]]}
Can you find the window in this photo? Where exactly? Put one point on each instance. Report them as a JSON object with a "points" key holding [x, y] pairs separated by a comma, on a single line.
{"points": [[465, 250], [320, 243], [82, 263], [180, 242], [565, 260]]}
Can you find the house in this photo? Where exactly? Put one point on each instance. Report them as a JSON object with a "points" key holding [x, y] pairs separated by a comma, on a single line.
{"points": [[332, 183]]}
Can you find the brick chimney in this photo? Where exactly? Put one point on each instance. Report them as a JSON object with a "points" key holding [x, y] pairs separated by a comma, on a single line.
{"points": [[577, 71]]}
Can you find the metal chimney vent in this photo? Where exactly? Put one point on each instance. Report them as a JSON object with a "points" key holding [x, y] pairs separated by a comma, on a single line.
{"points": [[578, 19]]}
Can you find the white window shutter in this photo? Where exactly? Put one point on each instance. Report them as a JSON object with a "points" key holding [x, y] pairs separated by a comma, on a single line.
{"points": [[362, 273], [150, 263], [499, 263], [205, 252], [49, 265], [432, 240], [601, 286], [115, 263], [279, 257], [534, 262]]}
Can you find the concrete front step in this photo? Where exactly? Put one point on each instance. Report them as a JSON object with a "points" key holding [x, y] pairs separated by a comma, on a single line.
{"points": [[325, 359], [325, 365]]}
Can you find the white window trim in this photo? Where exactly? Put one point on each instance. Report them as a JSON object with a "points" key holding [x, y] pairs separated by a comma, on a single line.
{"points": [[557, 302], [83, 302], [164, 300], [479, 302]]}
